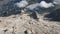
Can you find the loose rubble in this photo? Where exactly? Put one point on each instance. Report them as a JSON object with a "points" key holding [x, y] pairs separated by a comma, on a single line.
{"points": [[24, 24]]}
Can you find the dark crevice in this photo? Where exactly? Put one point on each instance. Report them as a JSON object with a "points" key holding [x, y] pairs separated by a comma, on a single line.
{"points": [[33, 15]]}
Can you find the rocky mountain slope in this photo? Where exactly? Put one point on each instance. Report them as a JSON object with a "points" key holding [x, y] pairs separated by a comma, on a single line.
{"points": [[24, 24], [16, 20]]}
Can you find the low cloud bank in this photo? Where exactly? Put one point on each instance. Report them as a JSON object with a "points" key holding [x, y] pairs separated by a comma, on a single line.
{"points": [[22, 3], [56, 2], [42, 4], [33, 6]]}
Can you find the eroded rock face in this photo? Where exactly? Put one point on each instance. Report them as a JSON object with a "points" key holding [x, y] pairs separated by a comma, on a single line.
{"points": [[23, 24]]}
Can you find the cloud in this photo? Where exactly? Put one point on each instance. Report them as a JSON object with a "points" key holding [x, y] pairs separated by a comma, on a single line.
{"points": [[56, 2], [43, 4], [22, 3], [33, 6]]}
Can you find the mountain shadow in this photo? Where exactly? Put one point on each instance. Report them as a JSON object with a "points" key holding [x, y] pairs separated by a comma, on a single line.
{"points": [[54, 15], [10, 9]]}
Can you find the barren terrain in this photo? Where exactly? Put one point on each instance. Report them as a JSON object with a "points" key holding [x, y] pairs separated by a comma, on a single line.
{"points": [[24, 24]]}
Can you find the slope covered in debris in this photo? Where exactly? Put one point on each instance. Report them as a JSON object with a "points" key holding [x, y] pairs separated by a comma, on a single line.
{"points": [[27, 17], [25, 24]]}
